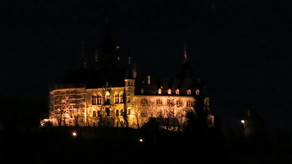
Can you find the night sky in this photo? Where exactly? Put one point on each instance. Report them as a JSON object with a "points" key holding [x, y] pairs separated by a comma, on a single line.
{"points": [[240, 49]]}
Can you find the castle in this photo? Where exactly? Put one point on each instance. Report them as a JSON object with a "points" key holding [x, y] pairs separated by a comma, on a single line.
{"points": [[105, 93]]}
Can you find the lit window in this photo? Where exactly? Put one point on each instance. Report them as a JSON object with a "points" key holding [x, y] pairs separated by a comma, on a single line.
{"points": [[116, 98], [107, 110], [107, 97], [197, 92], [179, 103], [160, 91], [169, 91], [128, 98], [177, 92], [144, 102], [121, 97], [169, 102], [129, 111], [94, 99], [189, 103], [99, 99], [158, 102], [189, 92]]}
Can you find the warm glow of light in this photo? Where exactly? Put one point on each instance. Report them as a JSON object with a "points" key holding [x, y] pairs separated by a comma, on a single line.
{"points": [[169, 91], [74, 134], [141, 140], [159, 91], [242, 121]]}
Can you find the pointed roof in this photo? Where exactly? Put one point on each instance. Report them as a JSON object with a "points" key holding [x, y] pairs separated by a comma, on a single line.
{"points": [[185, 78], [130, 70]]}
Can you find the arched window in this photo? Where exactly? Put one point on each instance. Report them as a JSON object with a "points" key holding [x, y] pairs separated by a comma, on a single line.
{"points": [[158, 102], [169, 91], [116, 98], [121, 97], [189, 92], [160, 91], [94, 99], [177, 91], [107, 97], [144, 102], [99, 99], [179, 103], [94, 114], [128, 97], [189, 103]]}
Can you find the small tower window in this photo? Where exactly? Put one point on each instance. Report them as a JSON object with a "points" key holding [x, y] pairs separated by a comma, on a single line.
{"points": [[177, 91], [169, 91], [160, 91], [128, 97], [189, 92]]}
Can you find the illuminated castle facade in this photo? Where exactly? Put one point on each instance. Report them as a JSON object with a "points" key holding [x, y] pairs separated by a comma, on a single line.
{"points": [[104, 93]]}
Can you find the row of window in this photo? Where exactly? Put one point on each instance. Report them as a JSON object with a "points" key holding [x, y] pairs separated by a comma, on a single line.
{"points": [[118, 98], [179, 103], [189, 92], [108, 112]]}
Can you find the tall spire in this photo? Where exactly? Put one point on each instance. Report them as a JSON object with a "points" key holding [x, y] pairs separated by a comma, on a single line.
{"points": [[185, 52], [83, 58]]}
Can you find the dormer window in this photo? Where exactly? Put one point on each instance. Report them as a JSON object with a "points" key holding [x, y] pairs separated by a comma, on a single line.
{"points": [[197, 92], [169, 91], [177, 92], [189, 92], [160, 91]]}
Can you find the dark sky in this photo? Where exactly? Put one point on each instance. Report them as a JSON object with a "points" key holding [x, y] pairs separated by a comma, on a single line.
{"points": [[240, 49]]}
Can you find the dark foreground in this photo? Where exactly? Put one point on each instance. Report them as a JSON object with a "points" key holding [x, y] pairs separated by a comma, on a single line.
{"points": [[110, 145]]}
